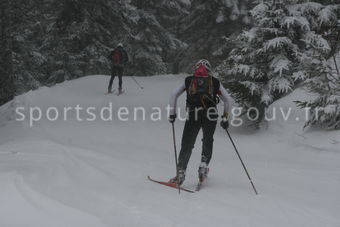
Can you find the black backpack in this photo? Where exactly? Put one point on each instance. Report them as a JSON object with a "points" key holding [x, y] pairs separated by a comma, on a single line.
{"points": [[201, 86], [201, 92]]}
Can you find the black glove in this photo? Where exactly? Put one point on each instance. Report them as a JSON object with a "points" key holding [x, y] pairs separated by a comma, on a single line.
{"points": [[225, 122], [172, 118]]}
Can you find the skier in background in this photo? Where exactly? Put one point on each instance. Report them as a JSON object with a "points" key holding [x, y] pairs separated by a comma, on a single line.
{"points": [[202, 91], [118, 59]]}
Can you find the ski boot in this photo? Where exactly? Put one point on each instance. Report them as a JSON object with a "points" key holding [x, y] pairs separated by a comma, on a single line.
{"points": [[203, 171], [120, 91], [179, 179]]}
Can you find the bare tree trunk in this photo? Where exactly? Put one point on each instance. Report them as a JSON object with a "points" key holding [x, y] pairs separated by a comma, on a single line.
{"points": [[336, 65]]}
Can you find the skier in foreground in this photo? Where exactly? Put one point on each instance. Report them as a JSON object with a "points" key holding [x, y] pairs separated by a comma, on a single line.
{"points": [[202, 91], [118, 58]]}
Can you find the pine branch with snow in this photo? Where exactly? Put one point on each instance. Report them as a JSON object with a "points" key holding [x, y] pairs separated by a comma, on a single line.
{"points": [[320, 67], [259, 70], [291, 43]]}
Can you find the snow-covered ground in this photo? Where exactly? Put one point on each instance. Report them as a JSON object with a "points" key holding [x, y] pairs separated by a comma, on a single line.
{"points": [[78, 174]]}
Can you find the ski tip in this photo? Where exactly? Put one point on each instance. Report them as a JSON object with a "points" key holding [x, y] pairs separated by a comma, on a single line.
{"points": [[171, 185]]}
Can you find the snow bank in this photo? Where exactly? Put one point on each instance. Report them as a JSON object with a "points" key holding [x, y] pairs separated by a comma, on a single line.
{"points": [[69, 173]]}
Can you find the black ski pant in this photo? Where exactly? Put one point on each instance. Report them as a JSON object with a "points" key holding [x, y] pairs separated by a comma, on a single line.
{"points": [[116, 70], [198, 119]]}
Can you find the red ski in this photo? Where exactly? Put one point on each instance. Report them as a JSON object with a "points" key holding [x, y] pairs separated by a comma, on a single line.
{"points": [[172, 185]]}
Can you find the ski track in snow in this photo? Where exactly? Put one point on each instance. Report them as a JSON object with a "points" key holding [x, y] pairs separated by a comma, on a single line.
{"points": [[95, 174]]}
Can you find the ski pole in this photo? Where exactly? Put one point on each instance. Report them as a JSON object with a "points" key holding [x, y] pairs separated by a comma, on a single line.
{"points": [[175, 150], [140, 86], [244, 167]]}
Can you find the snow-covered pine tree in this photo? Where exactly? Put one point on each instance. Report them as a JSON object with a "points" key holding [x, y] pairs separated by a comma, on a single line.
{"points": [[58, 40], [13, 14], [82, 35], [319, 64], [152, 41], [31, 62], [167, 12], [259, 69], [206, 25], [6, 76]]}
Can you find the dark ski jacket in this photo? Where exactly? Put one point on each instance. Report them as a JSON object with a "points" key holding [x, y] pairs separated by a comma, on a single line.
{"points": [[118, 57]]}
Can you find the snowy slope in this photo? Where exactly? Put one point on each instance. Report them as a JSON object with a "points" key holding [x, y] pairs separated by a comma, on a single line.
{"points": [[69, 173]]}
